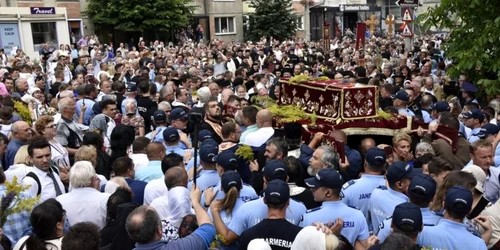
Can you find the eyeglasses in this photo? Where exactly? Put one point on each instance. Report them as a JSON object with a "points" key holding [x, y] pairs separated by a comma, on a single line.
{"points": [[51, 126]]}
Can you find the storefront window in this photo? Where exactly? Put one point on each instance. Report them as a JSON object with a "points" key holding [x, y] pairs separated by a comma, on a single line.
{"points": [[44, 33]]}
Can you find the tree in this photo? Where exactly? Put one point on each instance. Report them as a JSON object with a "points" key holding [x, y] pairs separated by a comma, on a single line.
{"points": [[140, 15], [272, 18], [474, 38]]}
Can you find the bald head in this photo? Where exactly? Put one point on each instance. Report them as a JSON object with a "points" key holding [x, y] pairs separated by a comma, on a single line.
{"points": [[264, 118], [66, 93], [21, 131], [155, 151], [366, 144], [226, 93], [176, 177]]}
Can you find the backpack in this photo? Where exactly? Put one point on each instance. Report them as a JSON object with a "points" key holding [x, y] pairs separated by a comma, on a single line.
{"points": [[37, 180]]}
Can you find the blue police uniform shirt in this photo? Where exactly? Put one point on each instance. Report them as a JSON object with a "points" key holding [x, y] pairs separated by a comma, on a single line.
{"points": [[175, 149], [246, 193], [159, 134], [89, 113], [448, 234], [429, 218], [254, 211], [357, 192], [206, 178], [497, 156], [426, 116], [227, 218], [382, 203], [191, 163], [473, 136], [183, 146], [355, 227], [406, 112]]}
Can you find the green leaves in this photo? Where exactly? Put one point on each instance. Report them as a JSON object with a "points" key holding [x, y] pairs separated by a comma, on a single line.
{"points": [[140, 15], [474, 38], [272, 18]]}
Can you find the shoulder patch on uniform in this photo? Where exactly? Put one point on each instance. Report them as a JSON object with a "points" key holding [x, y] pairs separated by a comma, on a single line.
{"points": [[438, 213], [382, 187], [348, 184], [313, 209], [250, 199]]}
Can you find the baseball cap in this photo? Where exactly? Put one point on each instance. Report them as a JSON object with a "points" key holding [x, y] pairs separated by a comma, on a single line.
{"points": [[208, 152], [473, 113], [488, 129], [325, 178], [35, 89], [375, 157], [229, 179], [275, 169], [422, 187], [227, 160], [399, 170], [402, 95], [277, 193], [160, 116], [407, 217], [131, 87], [459, 199], [469, 87], [178, 114], [170, 134], [204, 134], [440, 106], [478, 174]]}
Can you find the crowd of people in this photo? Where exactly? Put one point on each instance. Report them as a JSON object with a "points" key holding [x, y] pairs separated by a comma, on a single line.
{"points": [[139, 146]]}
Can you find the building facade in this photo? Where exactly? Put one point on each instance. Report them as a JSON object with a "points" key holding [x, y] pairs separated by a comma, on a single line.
{"points": [[221, 19]]}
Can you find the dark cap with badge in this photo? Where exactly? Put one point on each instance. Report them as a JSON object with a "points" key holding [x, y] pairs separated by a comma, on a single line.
{"points": [[277, 193], [327, 177], [230, 179], [375, 157], [204, 134], [227, 160], [407, 217], [131, 87], [170, 134], [178, 114], [422, 187], [469, 87], [473, 114], [459, 200], [159, 116], [487, 130], [402, 95], [208, 151], [400, 170], [275, 169], [440, 106]]}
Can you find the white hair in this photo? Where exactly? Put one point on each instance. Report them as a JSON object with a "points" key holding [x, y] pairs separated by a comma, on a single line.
{"points": [[204, 94], [164, 105], [81, 174], [66, 93], [114, 184]]}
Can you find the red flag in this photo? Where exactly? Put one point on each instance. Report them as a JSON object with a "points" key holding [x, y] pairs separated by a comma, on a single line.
{"points": [[360, 35]]}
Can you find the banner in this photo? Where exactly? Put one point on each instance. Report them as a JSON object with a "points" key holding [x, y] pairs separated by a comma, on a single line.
{"points": [[9, 36], [360, 35]]}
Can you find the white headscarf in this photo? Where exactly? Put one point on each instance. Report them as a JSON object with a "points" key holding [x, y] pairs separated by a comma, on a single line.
{"points": [[310, 238], [179, 205]]}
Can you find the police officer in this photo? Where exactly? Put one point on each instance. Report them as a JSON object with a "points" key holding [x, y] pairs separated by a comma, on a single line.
{"points": [[438, 108], [227, 160], [401, 100], [208, 177], [473, 119], [421, 192], [326, 187], [252, 212], [384, 199], [468, 93], [171, 140], [357, 192], [451, 232], [203, 135]]}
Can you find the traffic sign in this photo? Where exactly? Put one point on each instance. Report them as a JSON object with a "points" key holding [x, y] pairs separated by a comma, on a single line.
{"points": [[407, 3], [406, 31], [407, 16]]}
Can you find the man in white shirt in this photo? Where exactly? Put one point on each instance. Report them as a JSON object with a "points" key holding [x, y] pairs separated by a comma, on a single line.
{"points": [[157, 188], [44, 180], [139, 153], [84, 202], [176, 204], [266, 130]]}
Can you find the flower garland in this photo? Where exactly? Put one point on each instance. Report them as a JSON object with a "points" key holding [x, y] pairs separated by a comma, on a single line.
{"points": [[23, 111]]}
